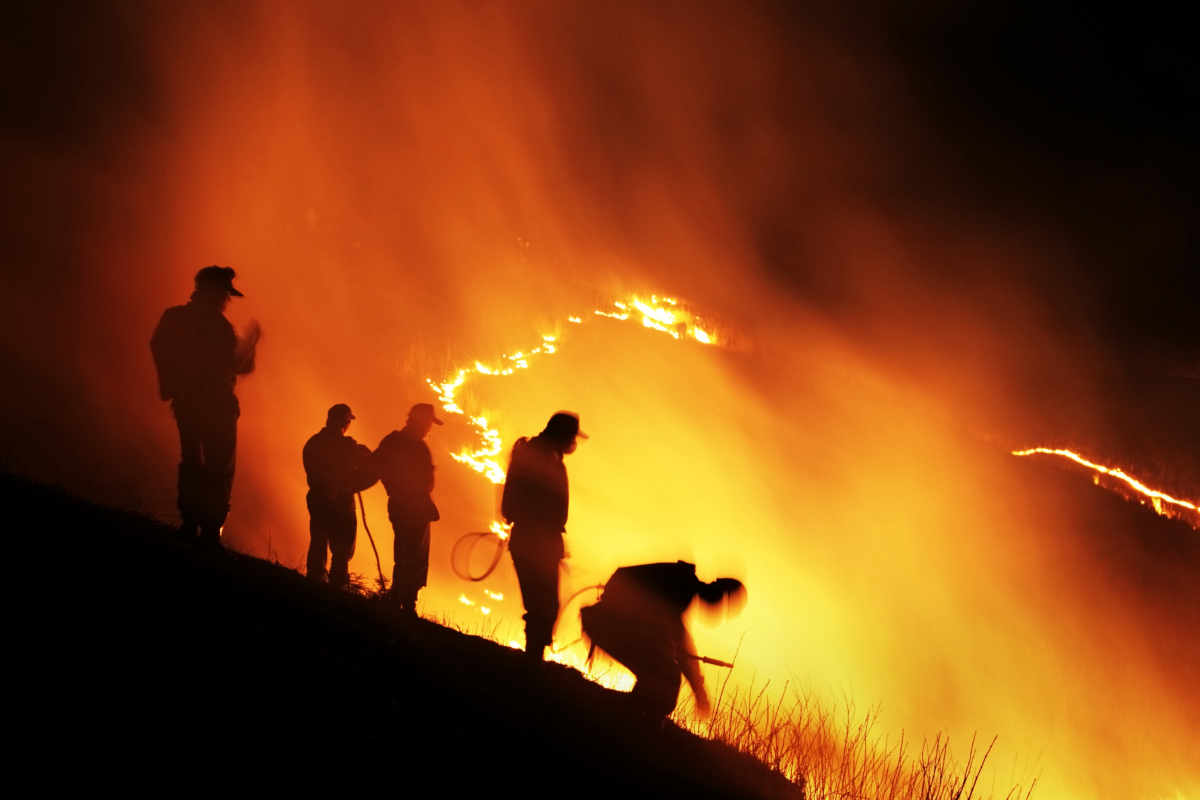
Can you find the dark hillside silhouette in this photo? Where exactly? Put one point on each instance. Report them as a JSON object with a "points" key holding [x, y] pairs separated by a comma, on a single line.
{"points": [[142, 663]]}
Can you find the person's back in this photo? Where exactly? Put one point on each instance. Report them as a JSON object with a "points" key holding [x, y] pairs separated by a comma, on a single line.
{"points": [[198, 357], [536, 494], [654, 594], [337, 467], [195, 350], [405, 467]]}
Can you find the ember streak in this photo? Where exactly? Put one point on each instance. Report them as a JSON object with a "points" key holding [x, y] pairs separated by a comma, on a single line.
{"points": [[1157, 498]]}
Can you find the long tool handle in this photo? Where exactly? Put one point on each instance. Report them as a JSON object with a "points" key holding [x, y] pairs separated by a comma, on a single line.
{"points": [[713, 661]]}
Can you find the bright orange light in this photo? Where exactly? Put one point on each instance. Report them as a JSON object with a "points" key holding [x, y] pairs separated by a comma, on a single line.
{"points": [[1157, 498], [673, 321]]}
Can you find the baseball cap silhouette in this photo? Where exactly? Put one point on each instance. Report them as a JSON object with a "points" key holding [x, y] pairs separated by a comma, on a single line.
{"points": [[218, 278]]}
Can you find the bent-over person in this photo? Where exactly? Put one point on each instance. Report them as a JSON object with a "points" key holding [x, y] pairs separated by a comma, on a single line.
{"points": [[639, 622]]}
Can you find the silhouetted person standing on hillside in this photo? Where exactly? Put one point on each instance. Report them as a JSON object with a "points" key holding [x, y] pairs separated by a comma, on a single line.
{"points": [[535, 501], [199, 357], [338, 468], [404, 464], [639, 622]]}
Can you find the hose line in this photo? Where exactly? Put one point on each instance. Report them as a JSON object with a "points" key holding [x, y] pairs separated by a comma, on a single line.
{"points": [[362, 508], [469, 541]]}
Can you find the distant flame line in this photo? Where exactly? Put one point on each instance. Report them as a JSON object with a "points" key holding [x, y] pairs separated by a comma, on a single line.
{"points": [[1155, 495], [655, 315]]}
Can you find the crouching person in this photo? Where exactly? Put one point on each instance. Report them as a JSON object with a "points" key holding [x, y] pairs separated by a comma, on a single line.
{"points": [[338, 467], [639, 623]]}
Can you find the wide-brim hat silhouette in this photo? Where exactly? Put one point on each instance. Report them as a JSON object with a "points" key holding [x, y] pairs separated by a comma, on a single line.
{"points": [[218, 278]]}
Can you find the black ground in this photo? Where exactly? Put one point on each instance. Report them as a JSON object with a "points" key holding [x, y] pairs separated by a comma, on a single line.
{"points": [[139, 663]]}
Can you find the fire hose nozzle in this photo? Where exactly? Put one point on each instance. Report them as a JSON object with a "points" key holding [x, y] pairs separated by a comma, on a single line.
{"points": [[713, 661]]}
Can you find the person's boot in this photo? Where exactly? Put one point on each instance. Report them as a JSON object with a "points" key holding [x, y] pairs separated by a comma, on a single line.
{"points": [[535, 647], [339, 576], [209, 542], [189, 530]]}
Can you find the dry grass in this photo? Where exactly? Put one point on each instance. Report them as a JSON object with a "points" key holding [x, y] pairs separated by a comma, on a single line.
{"points": [[833, 752], [824, 745]]}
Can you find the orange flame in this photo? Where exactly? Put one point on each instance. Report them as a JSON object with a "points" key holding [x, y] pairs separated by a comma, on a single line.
{"points": [[660, 314], [675, 321], [1157, 498]]}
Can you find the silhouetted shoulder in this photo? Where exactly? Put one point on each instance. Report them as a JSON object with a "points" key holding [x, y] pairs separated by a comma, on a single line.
{"points": [[672, 584], [387, 442]]}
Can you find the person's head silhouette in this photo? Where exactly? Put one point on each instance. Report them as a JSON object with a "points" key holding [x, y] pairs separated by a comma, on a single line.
{"points": [[563, 432], [214, 286]]}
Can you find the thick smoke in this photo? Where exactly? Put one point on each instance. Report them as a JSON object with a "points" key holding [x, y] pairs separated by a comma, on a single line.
{"points": [[406, 189]]}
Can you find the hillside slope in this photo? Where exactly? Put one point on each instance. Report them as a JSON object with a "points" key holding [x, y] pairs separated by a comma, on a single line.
{"points": [[141, 663]]}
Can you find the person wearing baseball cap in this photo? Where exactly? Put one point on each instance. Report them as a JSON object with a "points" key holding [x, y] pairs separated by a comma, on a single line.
{"points": [[199, 358], [337, 468], [535, 501], [405, 465]]}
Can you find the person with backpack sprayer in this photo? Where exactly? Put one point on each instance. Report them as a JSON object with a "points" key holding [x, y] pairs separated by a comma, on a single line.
{"points": [[535, 501]]}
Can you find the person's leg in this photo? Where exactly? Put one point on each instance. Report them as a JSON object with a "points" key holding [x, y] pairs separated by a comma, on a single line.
{"points": [[318, 532], [190, 483], [343, 531], [657, 689], [537, 575], [412, 562], [644, 650], [220, 453]]}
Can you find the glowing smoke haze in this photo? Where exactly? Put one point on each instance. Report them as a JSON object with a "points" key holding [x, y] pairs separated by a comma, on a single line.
{"points": [[406, 191]]}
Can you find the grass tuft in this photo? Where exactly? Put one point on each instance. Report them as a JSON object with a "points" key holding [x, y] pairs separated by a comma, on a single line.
{"points": [[832, 752]]}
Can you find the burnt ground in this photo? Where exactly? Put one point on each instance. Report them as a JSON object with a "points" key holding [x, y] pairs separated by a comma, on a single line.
{"points": [[139, 663]]}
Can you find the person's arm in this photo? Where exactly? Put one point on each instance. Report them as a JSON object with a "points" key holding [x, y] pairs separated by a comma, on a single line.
{"points": [[165, 359], [320, 482], [685, 647], [364, 476], [512, 499], [430, 467], [247, 347]]}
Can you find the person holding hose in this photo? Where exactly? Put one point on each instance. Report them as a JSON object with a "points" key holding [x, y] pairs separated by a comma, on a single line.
{"points": [[405, 465], [337, 468]]}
